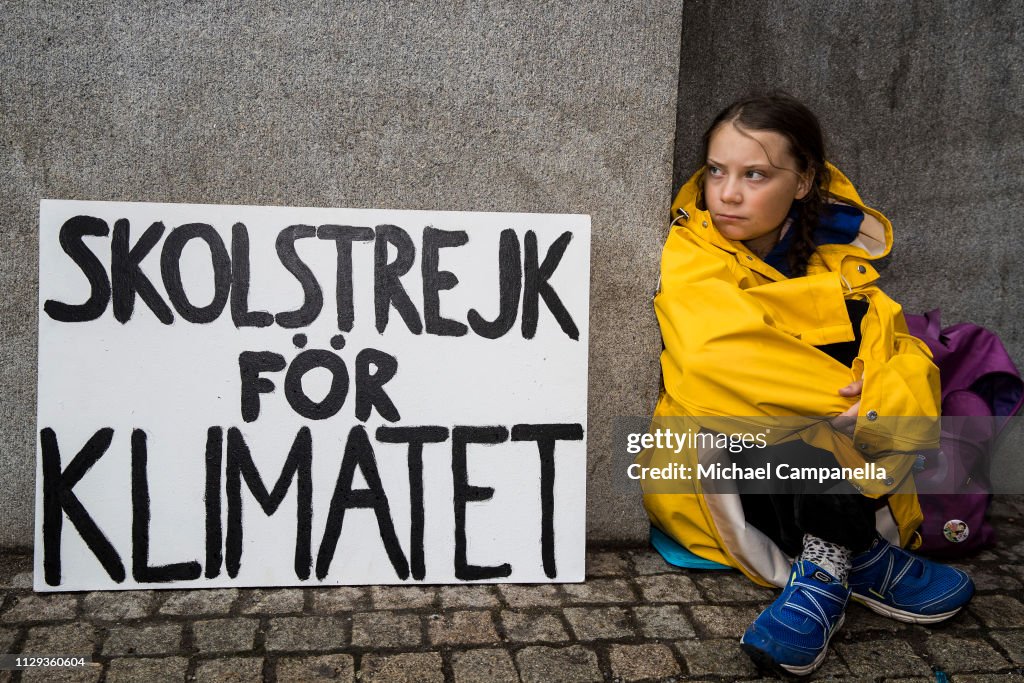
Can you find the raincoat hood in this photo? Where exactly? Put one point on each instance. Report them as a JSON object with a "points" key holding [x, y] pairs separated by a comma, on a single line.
{"points": [[870, 237]]}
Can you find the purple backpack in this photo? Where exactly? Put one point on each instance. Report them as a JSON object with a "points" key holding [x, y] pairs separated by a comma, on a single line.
{"points": [[979, 380]]}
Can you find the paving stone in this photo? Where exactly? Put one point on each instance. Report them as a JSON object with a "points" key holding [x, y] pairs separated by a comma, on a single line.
{"points": [[994, 581], [225, 635], [493, 666], [539, 595], [711, 657], [639, 662], [964, 623], [1001, 507], [322, 668], [882, 657], [1011, 532], [606, 563], [964, 654], [1014, 552], [462, 628], [340, 599], [230, 670], [206, 602], [860, 619], [1008, 677], [132, 670], [454, 597], [600, 591], [8, 636], [42, 607], [663, 621], [273, 601], [598, 623], [998, 611], [721, 621], [143, 640], [524, 627], [117, 605], [650, 562], [1012, 642], [732, 587], [67, 639], [832, 667], [410, 667], [669, 588], [90, 673], [403, 597], [573, 664], [386, 629], [306, 633]]}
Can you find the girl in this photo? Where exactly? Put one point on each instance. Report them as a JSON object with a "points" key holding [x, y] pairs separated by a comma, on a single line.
{"points": [[769, 308]]}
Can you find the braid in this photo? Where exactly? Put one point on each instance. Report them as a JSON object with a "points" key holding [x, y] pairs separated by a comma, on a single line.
{"points": [[808, 218]]}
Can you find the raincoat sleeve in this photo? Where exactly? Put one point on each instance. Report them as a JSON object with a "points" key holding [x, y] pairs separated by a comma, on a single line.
{"points": [[737, 351], [750, 351], [901, 398]]}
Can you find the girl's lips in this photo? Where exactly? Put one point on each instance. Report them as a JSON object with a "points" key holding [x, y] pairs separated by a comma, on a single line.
{"points": [[727, 217]]}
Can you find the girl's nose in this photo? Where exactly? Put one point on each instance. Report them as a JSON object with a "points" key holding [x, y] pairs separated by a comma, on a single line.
{"points": [[731, 191]]}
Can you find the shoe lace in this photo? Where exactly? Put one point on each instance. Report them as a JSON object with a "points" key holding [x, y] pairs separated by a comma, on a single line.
{"points": [[813, 595], [899, 565]]}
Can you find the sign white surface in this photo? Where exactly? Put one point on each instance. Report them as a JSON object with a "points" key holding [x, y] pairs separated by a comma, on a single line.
{"points": [[270, 396]]}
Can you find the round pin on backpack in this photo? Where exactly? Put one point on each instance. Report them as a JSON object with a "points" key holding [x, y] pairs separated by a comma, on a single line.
{"points": [[955, 531]]}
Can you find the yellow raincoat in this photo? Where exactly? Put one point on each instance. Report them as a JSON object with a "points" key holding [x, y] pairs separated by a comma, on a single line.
{"points": [[739, 342]]}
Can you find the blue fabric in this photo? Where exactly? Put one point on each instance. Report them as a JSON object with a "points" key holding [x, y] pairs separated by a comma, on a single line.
{"points": [[908, 588], [840, 224], [794, 631], [678, 556]]}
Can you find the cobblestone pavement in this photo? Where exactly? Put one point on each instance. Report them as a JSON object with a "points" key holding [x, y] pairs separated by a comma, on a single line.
{"points": [[635, 618]]}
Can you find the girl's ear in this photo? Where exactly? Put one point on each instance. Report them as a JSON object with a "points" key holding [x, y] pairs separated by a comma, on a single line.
{"points": [[804, 184]]}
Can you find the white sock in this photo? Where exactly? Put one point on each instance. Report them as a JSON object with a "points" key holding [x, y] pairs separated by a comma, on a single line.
{"points": [[832, 557]]}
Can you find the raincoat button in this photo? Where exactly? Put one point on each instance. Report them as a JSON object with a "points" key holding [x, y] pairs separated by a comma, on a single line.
{"points": [[861, 269], [889, 481], [872, 415], [920, 462], [750, 258], [862, 446], [704, 223]]}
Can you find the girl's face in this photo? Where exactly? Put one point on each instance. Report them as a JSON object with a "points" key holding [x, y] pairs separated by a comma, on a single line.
{"points": [[750, 183]]}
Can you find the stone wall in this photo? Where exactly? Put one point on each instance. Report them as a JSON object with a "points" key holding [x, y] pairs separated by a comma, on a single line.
{"points": [[459, 106], [498, 107], [923, 106]]}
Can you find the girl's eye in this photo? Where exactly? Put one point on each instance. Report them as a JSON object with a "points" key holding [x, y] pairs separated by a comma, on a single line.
{"points": [[714, 171], [756, 175]]}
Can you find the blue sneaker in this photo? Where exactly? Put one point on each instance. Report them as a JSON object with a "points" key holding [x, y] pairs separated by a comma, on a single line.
{"points": [[792, 634], [897, 584]]}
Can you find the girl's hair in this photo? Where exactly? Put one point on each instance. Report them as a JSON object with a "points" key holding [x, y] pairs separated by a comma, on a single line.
{"points": [[784, 114]]}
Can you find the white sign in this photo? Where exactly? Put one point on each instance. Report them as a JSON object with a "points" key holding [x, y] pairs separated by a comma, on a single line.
{"points": [[270, 396]]}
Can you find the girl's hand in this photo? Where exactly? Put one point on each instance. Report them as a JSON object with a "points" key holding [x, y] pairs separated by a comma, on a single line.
{"points": [[846, 421]]}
